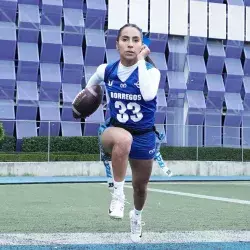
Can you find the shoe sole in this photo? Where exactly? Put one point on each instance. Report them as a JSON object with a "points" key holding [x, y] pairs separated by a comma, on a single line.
{"points": [[115, 217]]}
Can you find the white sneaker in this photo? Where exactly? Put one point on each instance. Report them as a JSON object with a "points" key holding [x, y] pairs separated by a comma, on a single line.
{"points": [[135, 227], [116, 209]]}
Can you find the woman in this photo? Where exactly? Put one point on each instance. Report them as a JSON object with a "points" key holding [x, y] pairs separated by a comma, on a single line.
{"points": [[129, 135]]}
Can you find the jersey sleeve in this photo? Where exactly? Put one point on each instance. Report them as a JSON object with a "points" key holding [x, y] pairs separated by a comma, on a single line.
{"points": [[98, 76], [149, 80]]}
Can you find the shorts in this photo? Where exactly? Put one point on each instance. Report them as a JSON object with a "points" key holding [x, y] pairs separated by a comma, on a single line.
{"points": [[143, 146]]}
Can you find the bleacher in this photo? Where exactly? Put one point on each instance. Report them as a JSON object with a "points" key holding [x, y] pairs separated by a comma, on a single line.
{"points": [[50, 48]]}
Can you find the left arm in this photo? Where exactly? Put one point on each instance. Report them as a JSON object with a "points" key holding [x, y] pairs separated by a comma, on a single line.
{"points": [[149, 81]]}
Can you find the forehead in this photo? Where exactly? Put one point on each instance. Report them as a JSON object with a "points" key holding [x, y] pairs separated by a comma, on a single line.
{"points": [[130, 32]]}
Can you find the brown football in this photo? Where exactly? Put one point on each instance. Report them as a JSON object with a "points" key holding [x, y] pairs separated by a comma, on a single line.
{"points": [[87, 101]]}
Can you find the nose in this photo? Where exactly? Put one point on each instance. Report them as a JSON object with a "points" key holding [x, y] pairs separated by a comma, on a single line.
{"points": [[130, 44]]}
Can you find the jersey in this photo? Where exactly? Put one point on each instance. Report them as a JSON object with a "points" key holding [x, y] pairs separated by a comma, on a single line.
{"points": [[126, 103]]}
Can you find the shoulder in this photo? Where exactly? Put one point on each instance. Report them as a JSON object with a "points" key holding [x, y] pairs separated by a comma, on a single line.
{"points": [[100, 71]]}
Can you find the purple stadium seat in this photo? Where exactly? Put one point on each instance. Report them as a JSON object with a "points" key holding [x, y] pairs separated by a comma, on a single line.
{"points": [[73, 27], [7, 116], [7, 79], [96, 14], [50, 82], [27, 93], [7, 41], [95, 47], [196, 45], [74, 4], [51, 13], [51, 46], [177, 51], [111, 39], [195, 113], [159, 60], [49, 118], [34, 2], [24, 129], [69, 92], [89, 71], [28, 23], [73, 65], [112, 55], [247, 60], [233, 120], [195, 72], [71, 128], [93, 122], [28, 62], [234, 75], [160, 114], [8, 10], [216, 57]]}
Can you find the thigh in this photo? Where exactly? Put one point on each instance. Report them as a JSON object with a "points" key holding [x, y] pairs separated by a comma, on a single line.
{"points": [[141, 171], [143, 146], [113, 135]]}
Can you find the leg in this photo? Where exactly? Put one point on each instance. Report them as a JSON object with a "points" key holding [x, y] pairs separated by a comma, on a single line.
{"points": [[117, 142], [141, 171]]}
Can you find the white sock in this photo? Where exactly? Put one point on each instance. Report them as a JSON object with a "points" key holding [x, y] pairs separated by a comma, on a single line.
{"points": [[137, 213], [118, 187]]}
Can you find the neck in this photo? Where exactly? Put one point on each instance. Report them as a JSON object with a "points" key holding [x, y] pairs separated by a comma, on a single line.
{"points": [[128, 63]]}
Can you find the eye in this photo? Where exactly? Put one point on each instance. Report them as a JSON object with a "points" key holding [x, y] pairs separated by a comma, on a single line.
{"points": [[124, 39]]}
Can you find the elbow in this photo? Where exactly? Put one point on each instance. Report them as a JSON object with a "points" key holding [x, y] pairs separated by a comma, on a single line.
{"points": [[148, 98]]}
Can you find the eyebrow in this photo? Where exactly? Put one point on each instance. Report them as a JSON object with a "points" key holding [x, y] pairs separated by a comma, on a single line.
{"points": [[132, 37]]}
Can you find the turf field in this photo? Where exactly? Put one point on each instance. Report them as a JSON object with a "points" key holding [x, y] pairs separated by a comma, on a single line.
{"points": [[206, 211]]}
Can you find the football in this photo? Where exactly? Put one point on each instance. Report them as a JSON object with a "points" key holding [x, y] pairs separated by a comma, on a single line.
{"points": [[87, 101]]}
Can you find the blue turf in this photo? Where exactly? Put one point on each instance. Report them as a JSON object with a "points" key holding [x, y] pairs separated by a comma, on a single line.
{"points": [[170, 246]]}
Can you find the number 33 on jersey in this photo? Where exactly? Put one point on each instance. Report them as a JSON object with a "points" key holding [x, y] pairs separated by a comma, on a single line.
{"points": [[126, 103]]}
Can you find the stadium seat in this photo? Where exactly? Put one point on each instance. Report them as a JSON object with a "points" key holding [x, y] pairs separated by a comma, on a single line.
{"points": [[28, 23], [93, 122], [73, 65], [196, 45], [51, 46], [73, 27], [7, 80], [74, 4], [7, 41], [233, 76], [215, 57], [8, 10], [51, 12], [194, 110], [233, 120], [49, 118], [95, 47], [177, 51], [28, 61], [247, 60], [50, 82], [7, 116], [96, 14], [195, 72]]}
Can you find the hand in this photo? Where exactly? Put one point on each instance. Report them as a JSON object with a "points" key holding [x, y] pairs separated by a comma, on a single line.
{"points": [[145, 51]]}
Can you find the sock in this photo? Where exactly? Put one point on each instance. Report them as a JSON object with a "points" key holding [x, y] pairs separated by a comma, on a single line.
{"points": [[118, 187], [137, 213]]}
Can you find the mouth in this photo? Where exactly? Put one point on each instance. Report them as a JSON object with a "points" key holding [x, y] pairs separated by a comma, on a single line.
{"points": [[130, 53]]}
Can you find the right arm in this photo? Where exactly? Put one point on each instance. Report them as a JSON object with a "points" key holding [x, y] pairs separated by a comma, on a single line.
{"points": [[97, 77]]}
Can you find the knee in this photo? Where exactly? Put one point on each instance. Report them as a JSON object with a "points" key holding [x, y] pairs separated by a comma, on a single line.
{"points": [[123, 144], [140, 188]]}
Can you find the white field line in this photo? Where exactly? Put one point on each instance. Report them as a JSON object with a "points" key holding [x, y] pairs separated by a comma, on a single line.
{"points": [[215, 198], [114, 238]]}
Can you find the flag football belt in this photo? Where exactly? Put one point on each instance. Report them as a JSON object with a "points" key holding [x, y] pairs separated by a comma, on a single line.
{"points": [[132, 131]]}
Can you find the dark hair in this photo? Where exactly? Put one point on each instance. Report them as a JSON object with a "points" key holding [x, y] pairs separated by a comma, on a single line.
{"points": [[148, 59]]}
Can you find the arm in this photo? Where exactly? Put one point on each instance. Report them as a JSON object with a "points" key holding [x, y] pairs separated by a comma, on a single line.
{"points": [[149, 81], [97, 77]]}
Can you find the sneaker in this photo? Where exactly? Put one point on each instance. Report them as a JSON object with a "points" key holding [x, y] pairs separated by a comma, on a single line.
{"points": [[136, 227], [116, 209]]}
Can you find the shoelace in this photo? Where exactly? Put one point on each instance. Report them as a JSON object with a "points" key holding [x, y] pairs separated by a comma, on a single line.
{"points": [[117, 197], [136, 227]]}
